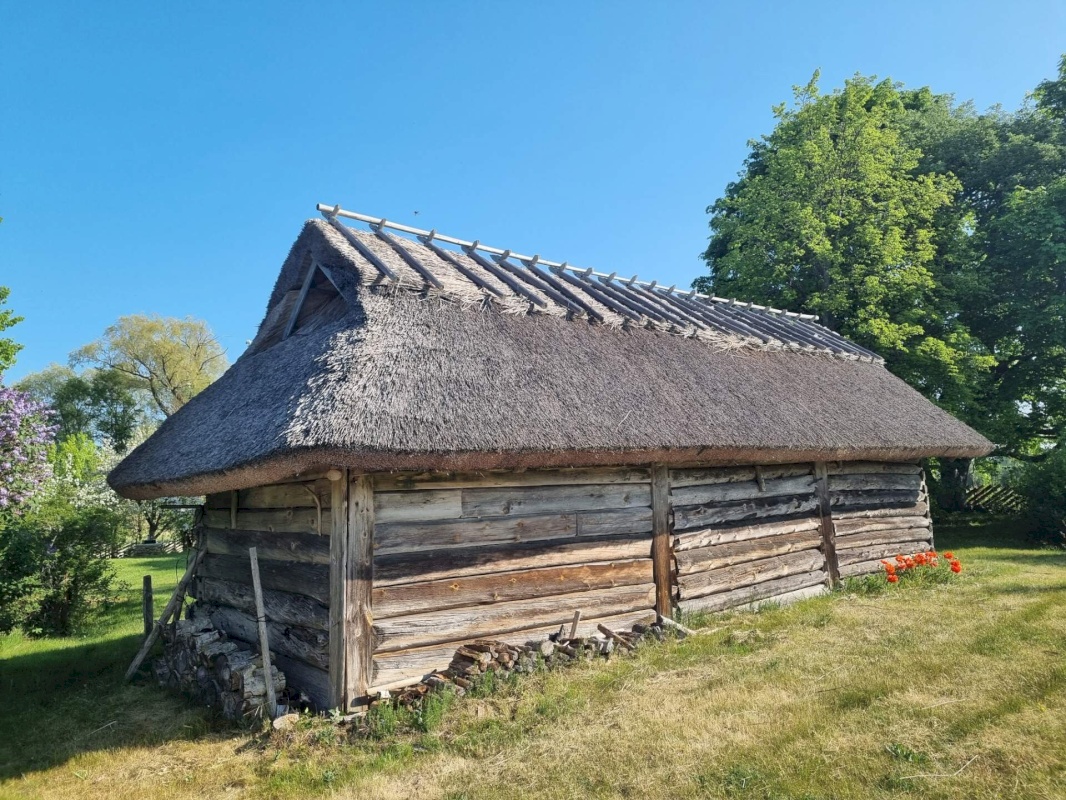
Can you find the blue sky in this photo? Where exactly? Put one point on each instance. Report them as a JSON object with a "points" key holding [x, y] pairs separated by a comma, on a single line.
{"points": [[162, 157]]}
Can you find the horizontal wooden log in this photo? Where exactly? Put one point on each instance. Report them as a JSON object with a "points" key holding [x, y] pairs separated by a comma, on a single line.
{"points": [[417, 506], [768, 508], [553, 499], [727, 579], [413, 481], [430, 566], [883, 537], [882, 481], [886, 498], [301, 676], [281, 495], [283, 576], [860, 568], [402, 664], [414, 598], [886, 551], [309, 548], [618, 522], [747, 490], [706, 537], [725, 555], [705, 475], [869, 467], [737, 598], [285, 608], [919, 509], [847, 527], [421, 630], [302, 644], [291, 520]]}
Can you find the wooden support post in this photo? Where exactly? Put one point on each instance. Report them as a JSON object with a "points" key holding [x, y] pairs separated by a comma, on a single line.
{"points": [[825, 513], [575, 623], [173, 605], [147, 605], [338, 569], [233, 499], [661, 555], [264, 641], [358, 615]]}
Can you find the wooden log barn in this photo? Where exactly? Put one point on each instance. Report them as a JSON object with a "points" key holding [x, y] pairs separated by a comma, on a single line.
{"points": [[431, 440]]}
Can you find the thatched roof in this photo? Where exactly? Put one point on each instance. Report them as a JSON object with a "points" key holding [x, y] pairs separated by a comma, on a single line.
{"points": [[379, 352]]}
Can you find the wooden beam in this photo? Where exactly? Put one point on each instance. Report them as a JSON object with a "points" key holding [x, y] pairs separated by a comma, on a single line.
{"points": [[660, 548], [264, 638], [338, 568], [359, 580], [829, 548], [304, 289]]}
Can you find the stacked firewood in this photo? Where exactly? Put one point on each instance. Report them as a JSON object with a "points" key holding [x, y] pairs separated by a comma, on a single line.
{"points": [[213, 669], [472, 661]]}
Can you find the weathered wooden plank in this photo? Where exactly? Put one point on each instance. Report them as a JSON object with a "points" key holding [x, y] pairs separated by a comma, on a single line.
{"points": [[553, 499], [358, 616], [312, 682], [920, 509], [706, 515], [409, 537], [746, 490], [311, 548], [706, 475], [414, 598], [285, 608], [851, 541], [867, 467], [417, 506], [725, 555], [413, 481], [417, 567], [303, 644], [291, 520], [887, 551], [280, 495], [890, 481], [618, 522], [886, 498], [861, 568], [421, 630], [738, 598], [706, 537], [284, 576], [394, 666], [726, 579], [338, 571], [661, 555], [848, 527]]}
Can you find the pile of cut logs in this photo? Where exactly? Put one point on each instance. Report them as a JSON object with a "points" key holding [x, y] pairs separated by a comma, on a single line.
{"points": [[473, 660], [215, 670]]}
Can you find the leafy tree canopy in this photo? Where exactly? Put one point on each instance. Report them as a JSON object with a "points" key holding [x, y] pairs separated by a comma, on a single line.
{"points": [[8, 347], [170, 359]]}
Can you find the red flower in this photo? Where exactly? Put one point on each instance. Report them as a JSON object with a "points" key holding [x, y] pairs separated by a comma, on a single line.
{"points": [[901, 559], [891, 570], [956, 567], [893, 578], [949, 555]]}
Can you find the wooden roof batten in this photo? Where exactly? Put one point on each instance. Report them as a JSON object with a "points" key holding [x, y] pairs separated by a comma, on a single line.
{"points": [[582, 291]]}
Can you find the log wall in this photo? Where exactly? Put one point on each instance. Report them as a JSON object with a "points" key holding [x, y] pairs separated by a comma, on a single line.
{"points": [[509, 555], [289, 524]]}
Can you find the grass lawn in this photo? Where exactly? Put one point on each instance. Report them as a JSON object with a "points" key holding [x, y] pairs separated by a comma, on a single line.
{"points": [[954, 691]]}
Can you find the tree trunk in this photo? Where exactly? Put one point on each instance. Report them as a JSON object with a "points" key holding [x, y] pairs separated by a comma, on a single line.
{"points": [[951, 488]]}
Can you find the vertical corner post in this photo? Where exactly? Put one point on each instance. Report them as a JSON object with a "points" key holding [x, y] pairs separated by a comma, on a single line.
{"points": [[338, 570], [825, 513], [358, 610], [147, 606], [661, 551]]}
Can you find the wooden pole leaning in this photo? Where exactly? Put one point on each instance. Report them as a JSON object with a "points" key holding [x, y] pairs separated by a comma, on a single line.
{"points": [[147, 605], [825, 514], [264, 641], [172, 606]]}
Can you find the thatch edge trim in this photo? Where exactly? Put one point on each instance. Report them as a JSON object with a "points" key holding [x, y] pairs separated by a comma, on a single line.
{"points": [[278, 468]]}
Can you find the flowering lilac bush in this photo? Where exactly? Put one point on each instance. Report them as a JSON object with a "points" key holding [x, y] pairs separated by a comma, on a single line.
{"points": [[26, 431]]}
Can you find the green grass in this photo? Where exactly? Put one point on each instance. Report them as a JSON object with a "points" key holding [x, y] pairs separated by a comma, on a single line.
{"points": [[934, 691]]}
